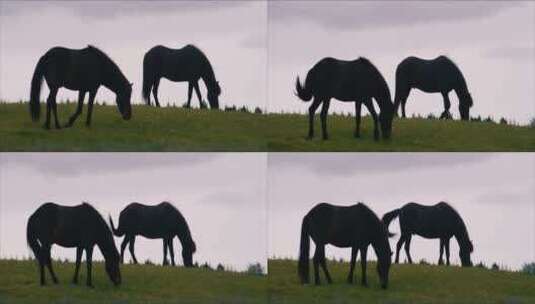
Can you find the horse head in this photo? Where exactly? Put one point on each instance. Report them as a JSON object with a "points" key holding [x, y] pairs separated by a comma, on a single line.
{"points": [[385, 118], [187, 253], [214, 91], [112, 259], [464, 253], [465, 103], [123, 101], [384, 259]]}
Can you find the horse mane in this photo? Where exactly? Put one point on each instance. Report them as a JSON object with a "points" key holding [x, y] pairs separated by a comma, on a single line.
{"points": [[111, 64], [205, 60], [99, 218], [463, 225], [380, 77]]}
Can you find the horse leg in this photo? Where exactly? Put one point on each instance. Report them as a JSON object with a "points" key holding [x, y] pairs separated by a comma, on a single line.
{"points": [[48, 263], [447, 104], [131, 248], [369, 105], [155, 92], [316, 261], [92, 95], [49, 100], [401, 99], [123, 247], [398, 247], [363, 260], [408, 248], [311, 111], [198, 93], [79, 251], [358, 108], [55, 112], [440, 261], [41, 259], [354, 252], [447, 245], [165, 261], [171, 250], [72, 119], [323, 264], [89, 263], [190, 91], [323, 116]]}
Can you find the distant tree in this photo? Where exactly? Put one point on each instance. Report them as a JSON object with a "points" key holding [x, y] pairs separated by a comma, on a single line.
{"points": [[148, 262], [257, 110], [529, 268], [532, 123], [220, 267], [423, 262], [255, 269], [481, 265], [503, 121], [431, 116], [495, 267]]}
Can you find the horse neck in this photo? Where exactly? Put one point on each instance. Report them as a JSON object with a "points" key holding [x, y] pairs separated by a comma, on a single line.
{"points": [[184, 234], [462, 235], [106, 246], [461, 89], [113, 79], [208, 76]]}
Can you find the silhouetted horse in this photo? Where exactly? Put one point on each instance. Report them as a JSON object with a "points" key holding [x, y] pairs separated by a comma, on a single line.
{"points": [[439, 75], [438, 221], [354, 226], [79, 226], [162, 221], [350, 81], [84, 71], [185, 64]]}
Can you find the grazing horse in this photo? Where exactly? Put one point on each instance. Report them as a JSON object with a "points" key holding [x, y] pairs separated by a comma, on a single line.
{"points": [[162, 221], [79, 226], [439, 75], [354, 226], [349, 81], [84, 71], [185, 64], [438, 221]]}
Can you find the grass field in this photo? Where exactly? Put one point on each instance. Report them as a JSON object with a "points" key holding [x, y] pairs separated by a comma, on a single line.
{"points": [[19, 283], [408, 284], [178, 129]]}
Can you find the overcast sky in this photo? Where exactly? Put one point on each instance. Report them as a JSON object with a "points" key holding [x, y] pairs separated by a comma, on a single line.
{"points": [[231, 33], [494, 193], [222, 196], [492, 43]]}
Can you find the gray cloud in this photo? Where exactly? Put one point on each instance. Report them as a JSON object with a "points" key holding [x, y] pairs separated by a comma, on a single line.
{"points": [[512, 52], [370, 163], [358, 15], [112, 9], [66, 164]]}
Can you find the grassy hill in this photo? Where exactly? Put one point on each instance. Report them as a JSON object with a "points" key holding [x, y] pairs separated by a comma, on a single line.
{"points": [[150, 129], [19, 283], [178, 129], [408, 284]]}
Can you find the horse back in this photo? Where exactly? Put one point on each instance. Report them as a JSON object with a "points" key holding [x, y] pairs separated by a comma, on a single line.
{"points": [[152, 221], [184, 64]]}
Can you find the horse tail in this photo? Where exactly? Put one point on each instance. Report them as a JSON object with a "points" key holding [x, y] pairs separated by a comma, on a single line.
{"points": [[148, 78], [304, 253], [35, 92], [304, 93], [388, 217], [116, 232], [31, 238]]}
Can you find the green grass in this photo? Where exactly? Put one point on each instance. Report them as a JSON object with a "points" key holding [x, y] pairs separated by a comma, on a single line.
{"points": [[288, 133], [408, 284], [150, 129], [19, 283], [178, 129]]}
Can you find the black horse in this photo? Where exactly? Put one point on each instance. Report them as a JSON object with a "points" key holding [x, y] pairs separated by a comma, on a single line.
{"points": [[162, 221], [185, 64], [350, 81], [438, 221], [84, 71], [439, 75], [79, 226], [354, 226]]}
